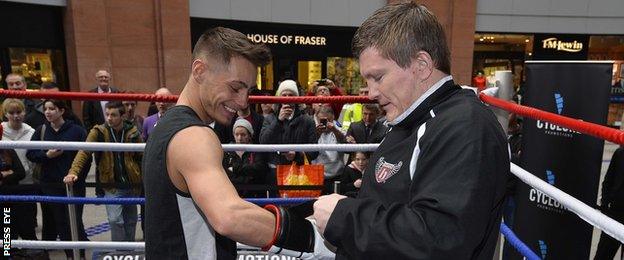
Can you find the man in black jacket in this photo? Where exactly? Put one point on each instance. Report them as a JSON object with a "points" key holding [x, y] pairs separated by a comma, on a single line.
{"points": [[93, 111], [612, 203], [369, 129], [434, 187]]}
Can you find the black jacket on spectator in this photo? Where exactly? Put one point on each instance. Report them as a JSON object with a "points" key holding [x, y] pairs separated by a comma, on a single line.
{"points": [[92, 113], [53, 170], [358, 131], [613, 184], [252, 168], [301, 129], [348, 177], [226, 134], [10, 161]]}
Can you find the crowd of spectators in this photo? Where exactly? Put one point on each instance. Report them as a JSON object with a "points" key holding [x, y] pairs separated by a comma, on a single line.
{"points": [[118, 174]]}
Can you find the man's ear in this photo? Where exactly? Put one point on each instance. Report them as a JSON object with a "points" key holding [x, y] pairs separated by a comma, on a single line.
{"points": [[422, 65], [198, 68]]}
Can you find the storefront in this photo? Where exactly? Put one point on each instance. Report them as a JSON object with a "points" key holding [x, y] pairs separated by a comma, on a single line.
{"points": [[497, 51], [301, 52], [32, 43]]}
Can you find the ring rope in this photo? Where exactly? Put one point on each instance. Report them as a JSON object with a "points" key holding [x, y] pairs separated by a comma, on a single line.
{"points": [[587, 213], [589, 128], [514, 241], [139, 147], [173, 98]]}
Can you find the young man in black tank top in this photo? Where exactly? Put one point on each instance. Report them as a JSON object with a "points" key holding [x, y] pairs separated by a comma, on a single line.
{"points": [[189, 198]]}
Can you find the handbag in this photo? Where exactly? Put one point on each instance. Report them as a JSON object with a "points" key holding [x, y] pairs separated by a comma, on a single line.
{"points": [[36, 171], [306, 174]]}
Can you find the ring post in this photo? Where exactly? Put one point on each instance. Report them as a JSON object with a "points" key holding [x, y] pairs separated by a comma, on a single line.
{"points": [[72, 220]]}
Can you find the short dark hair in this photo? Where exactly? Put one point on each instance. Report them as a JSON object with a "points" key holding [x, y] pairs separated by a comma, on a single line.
{"points": [[372, 107], [399, 31], [223, 43], [116, 105], [60, 104]]}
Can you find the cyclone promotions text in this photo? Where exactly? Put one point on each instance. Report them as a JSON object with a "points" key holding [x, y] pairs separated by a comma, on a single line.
{"points": [[264, 257], [544, 201], [287, 39], [552, 129]]}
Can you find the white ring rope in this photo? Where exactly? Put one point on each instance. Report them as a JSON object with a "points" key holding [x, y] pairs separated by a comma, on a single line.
{"points": [[36, 244], [121, 147], [587, 213]]}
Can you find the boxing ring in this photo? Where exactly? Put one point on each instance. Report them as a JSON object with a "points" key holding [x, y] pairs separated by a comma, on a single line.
{"points": [[585, 212]]}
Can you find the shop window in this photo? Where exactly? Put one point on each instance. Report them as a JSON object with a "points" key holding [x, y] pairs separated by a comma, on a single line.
{"points": [[345, 72], [308, 72], [264, 79], [38, 66]]}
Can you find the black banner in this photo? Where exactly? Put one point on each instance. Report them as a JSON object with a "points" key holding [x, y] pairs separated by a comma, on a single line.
{"points": [[566, 159]]}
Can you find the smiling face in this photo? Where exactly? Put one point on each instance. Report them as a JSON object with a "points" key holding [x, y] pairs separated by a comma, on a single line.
{"points": [[224, 90], [102, 78], [393, 87]]}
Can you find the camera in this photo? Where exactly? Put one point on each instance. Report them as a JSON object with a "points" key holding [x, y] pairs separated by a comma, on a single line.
{"points": [[322, 82]]}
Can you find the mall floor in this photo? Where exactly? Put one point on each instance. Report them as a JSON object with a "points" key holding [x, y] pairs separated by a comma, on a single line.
{"points": [[95, 215]]}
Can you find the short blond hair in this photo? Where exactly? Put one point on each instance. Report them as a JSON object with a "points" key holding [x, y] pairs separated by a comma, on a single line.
{"points": [[11, 104]]}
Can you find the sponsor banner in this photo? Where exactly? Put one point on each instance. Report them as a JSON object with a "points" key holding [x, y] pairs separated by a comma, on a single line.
{"points": [[564, 158], [118, 255]]}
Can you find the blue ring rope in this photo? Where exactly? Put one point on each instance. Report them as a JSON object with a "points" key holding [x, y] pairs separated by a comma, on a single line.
{"points": [[520, 246], [506, 231]]}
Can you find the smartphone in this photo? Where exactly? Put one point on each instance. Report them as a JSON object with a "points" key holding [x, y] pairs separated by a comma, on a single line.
{"points": [[323, 121]]}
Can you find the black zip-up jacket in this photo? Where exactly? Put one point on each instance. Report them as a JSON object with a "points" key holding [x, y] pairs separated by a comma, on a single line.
{"points": [[451, 207]]}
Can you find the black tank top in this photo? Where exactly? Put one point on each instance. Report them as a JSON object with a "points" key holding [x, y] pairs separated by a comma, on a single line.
{"points": [[175, 227]]}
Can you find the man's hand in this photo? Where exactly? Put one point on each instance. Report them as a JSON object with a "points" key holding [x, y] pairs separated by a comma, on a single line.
{"points": [[350, 139], [53, 153], [323, 208], [70, 179], [285, 112], [6, 173], [357, 183]]}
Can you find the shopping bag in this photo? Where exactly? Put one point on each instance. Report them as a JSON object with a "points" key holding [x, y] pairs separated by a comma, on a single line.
{"points": [[293, 174]]}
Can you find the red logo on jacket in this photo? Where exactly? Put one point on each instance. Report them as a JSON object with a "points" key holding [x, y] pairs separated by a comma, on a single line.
{"points": [[385, 170]]}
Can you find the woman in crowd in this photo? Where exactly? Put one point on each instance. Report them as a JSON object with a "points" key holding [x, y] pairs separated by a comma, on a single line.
{"points": [[55, 164], [245, 167], [16, 130], [351, 180]]}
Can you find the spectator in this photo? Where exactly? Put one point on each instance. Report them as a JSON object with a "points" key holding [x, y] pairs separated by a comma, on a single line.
{"points": [[11, 172], [290, 127], [352, 112], [351, 179], [612, 203], [16, 130], [93, 111], [328, 133], [326, 87], [131, 116], [369, 129], [55, 164], [151, 121], [245, 167], [119, 168], [35, 118], [17, 82], [225, 132]]}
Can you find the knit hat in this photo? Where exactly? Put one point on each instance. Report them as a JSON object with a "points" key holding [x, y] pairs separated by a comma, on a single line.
{"points": [[244, 123], [287, 85]]}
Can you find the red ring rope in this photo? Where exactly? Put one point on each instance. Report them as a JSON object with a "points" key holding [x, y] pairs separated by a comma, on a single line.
{"points": [[592, 129], [173, 98]]}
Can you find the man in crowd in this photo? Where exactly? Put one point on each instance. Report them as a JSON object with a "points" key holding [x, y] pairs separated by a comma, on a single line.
{"points": [[369, 129], [119, 171], [35, 118], [131, 115], [435, 186], [18, 82], [150, 122], [93, 111]]}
